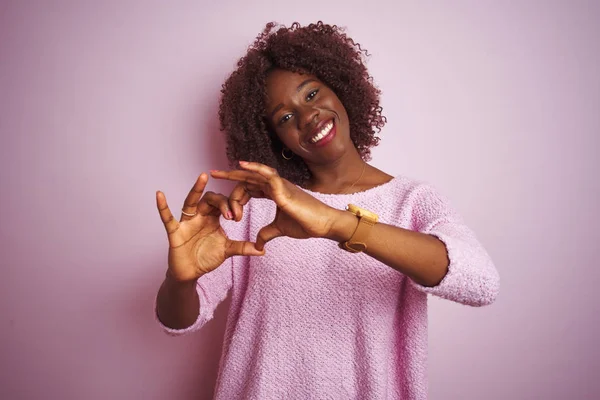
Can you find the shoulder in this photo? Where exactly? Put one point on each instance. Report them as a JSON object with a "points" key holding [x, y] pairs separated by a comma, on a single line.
{"points": [[380, 182], [409, 200], [415, 193], [423, 204], [397, 188]]}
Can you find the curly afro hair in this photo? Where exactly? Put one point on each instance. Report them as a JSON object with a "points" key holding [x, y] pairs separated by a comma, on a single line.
{"points": [[318, 49]]}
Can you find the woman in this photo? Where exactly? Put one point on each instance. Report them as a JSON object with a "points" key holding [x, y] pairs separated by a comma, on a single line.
{"points": [[342, 313]]}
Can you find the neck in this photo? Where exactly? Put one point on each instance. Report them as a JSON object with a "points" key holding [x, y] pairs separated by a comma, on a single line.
{"points": [[337, 176]]}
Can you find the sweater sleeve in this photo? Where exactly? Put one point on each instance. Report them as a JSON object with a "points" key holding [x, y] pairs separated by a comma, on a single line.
{"points": [[472, 278], [214, 286], [212, 289]]}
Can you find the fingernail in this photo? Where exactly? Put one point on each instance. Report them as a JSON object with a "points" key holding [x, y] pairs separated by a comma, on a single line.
{"points": [[243, 162], [214, 170], [229, 215]]}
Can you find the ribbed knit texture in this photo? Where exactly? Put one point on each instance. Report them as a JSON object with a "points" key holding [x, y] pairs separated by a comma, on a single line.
{"points": [[311, 321]]}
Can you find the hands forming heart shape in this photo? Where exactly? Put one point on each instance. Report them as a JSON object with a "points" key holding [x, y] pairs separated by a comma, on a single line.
{"points": [[197, 242]]}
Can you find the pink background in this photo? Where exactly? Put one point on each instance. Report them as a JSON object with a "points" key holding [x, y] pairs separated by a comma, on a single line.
{"points": [[102, 104]]}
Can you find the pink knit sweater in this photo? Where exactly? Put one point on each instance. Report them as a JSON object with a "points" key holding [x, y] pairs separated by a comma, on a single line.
{"points": [[311, 321]]}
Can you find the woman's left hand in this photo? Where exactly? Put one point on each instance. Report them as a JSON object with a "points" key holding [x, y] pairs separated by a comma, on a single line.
{"points": [[299, 215]]}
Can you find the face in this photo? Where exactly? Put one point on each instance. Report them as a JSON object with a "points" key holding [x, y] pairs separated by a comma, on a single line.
{"points": [[307, 117]]}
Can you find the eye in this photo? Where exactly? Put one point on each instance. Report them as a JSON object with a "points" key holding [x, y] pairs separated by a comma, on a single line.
{"points": [[285, 118], [312, 94]]}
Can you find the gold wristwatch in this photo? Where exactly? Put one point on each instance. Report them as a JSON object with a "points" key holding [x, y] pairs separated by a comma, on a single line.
{"points": [[366, 219]]}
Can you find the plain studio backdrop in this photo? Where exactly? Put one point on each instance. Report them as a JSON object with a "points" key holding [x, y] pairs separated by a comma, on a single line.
{"points": [[497, 104]]}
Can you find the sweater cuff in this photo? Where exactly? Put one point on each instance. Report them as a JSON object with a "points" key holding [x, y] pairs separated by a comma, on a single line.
{"points": [[200, 321], [471, 278]]}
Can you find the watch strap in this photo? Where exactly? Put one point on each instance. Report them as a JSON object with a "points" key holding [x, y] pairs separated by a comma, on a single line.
{"points": [[358, 242]]}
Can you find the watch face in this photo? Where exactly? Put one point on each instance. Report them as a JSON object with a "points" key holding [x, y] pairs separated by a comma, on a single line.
{"points": [[353, 208], [361, 212]]}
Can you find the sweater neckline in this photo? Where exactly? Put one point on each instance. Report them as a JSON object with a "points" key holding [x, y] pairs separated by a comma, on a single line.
{"points": [[359, 194]]}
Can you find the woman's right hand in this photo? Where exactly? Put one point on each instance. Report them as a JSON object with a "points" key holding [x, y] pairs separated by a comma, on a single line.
{"points": [[198, 244]]}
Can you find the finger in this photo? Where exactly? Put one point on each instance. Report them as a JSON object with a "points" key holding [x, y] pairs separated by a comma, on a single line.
{"points": [[214, 201], [262, 169], [238, 198], [267, 234], [270, 174], [170, 223], [255, 191], [242, 248], [239, 176], [191, 201]]}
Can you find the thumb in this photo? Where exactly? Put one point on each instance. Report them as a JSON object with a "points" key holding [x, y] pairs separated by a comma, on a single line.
{"points": [[242, 248], [266, 234]]}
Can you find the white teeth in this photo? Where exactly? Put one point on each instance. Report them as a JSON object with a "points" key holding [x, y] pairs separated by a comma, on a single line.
{"points": [[324, 132]]}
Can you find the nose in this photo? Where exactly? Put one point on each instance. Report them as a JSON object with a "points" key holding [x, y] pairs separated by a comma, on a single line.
{"points": [[308, 116]]}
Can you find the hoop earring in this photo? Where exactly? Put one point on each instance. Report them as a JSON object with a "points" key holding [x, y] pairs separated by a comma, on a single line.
{"points": [[287, 157]]}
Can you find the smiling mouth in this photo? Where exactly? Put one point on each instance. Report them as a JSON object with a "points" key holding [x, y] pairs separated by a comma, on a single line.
{"points": [[322, 133]]}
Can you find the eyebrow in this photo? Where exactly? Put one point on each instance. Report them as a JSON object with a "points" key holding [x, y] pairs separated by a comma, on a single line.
{"points": [[299, 88]]}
